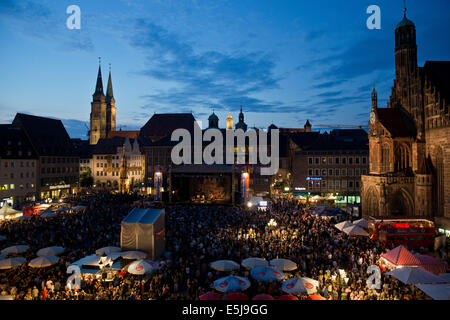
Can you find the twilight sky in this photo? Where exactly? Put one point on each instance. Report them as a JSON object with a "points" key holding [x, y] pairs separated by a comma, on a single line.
{"points": [[284, 61]]}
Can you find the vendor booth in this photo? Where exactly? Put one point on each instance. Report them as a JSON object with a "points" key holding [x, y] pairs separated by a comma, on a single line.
{"points": [[144, 230]]}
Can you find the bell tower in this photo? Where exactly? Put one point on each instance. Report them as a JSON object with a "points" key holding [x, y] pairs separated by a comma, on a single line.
{"points": [[405, 49], [98, 128]]}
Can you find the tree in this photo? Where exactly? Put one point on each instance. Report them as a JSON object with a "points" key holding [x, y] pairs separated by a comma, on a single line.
{"points": [[86, 179]]}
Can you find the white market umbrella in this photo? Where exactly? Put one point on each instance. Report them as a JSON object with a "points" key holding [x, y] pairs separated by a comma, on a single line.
{"points": [[363, 223], [267, 274], [225, 265], [134, 255], [231, 284], [141, 267], [355, 231], [340, 226], [298, 286], [251, 263], [283, 264], [50, 251], [11, 262], [62, 209], [415, 275], [42, 262], [15, 249], [107, 250], [436, 291], [48, 215]]}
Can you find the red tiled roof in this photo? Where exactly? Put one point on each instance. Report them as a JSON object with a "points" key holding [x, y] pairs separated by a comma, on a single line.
{"points": [[400, 256], [123, 133]]}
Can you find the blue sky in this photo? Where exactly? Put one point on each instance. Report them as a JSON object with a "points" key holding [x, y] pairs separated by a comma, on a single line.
{"points": [[284, 61]]}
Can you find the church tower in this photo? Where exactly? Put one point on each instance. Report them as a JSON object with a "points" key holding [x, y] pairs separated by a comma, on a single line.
{"points": [[98, 127], [241, 124], [213, 121], [405, 49], [110, 106], [374, 96], [230, 122]]}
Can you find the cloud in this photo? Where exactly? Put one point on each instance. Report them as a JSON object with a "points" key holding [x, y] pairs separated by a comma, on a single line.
{"points": [[202, 78], [36, 20]]}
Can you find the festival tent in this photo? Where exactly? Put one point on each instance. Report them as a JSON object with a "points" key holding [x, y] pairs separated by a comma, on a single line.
{"points": [[50, 251], [7, 212], [355, 231], [225, 265], [413, 275], [21, 218], [343, 225], [15, 249], [432, 264], [363, 223], [267, 274], [436, 291], [47, 214], [210, 296], [144, 229], [107, 250], [231, 284], [300, 286], [236, 296], [251, 263], [445, 276], [263, 296], [283, 264], [11, 262], [288, 297], [42, 262], [400, 257]]}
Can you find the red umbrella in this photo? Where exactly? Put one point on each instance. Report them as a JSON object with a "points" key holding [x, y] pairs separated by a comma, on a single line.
{"points": [[237, 296], [211, 296], [315, 297], [263, 296], [288, 297]]}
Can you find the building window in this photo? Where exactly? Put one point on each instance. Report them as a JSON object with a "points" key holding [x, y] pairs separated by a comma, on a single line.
{"points": [[357, 172], [357, 184], [330, 172], [337, 160], [330, 184], [357, 160], [317, 160], [364, 160], [324, 160], [310, 160], [310, 172], [317, 172], [337, 184], [350, 160], [350, 184], [344, 160], [363, 171], [343, 172], [350, 172], [324, 172], [337, 172]]}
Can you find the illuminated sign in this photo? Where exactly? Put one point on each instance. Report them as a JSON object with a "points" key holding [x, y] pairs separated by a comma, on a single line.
{"points": [[313, 179], [300, 188], [63, 186]]}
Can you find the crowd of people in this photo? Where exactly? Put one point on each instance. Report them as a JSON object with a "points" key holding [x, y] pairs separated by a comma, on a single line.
{"points": [[195, 237]]}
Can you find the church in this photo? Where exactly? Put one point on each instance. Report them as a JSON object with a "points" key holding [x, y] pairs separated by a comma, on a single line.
{"points": [[409, 141]]}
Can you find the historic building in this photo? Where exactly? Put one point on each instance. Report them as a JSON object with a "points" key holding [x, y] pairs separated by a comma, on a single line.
{"points": [[18, 166], [58, 163], [103, 110], [409, 140]]}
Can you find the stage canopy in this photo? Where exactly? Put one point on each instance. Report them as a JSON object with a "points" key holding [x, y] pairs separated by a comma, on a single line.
{"points": [[144, 230]]}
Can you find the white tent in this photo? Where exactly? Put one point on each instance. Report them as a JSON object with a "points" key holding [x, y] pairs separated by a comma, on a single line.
{"points": [[144, 229], [255, 200], [340, 226], [355, 231], [283, 264], [363, 223], [107, 250], [413, 275], [251, 263], [42, 262], [436, 291], [7, 212], [11, 262], [225, 265], [15, 249], [50, 251], [141, 267]]}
